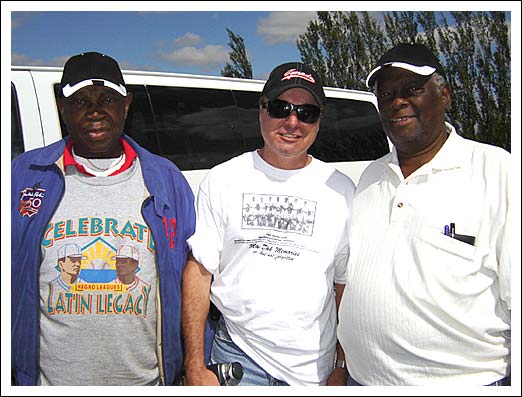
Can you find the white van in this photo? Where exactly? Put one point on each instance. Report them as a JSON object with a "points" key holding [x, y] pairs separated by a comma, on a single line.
{"points": [[199, 121]]}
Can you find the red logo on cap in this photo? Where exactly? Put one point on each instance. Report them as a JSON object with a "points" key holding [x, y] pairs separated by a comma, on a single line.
{"points": [[296, 74]]}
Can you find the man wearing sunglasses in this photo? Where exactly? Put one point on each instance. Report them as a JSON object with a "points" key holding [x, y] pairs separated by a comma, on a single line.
{"points": [[270, 249]]}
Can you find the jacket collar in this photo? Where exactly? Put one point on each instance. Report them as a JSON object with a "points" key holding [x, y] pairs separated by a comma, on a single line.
{"points": [[152, 174]]}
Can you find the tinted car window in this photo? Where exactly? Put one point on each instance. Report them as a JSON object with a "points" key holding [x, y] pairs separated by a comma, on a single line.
{"points": [[198, 128], [195, 126], [140, 123], [247, 119], [350, 131]]}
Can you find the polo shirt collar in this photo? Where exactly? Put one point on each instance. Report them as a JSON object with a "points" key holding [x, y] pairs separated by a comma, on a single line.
{"points": [[449, 156]]}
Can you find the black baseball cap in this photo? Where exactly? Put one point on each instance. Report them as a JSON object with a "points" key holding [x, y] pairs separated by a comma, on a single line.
{"points": [[91, 68], [416, 58], [294, 75]]}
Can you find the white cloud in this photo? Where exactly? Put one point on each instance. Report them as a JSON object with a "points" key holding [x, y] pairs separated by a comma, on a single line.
{"points": [[188, 39], [284, 27], [207, 56], [25, 60]]}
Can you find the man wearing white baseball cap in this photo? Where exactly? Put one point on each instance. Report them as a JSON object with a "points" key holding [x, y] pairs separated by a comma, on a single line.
{"points": [[69, 261], [428, 297], [127, 262]]}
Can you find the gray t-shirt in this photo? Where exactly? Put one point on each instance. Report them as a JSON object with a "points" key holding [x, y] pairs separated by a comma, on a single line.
{"points": [[98, 285]]}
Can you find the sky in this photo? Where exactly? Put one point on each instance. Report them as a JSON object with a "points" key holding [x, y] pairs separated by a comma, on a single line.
{"points": [[171, 36], [169, 41]]}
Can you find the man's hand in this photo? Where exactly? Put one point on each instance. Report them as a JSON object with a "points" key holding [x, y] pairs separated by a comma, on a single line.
{"points": [[200, 376], [338, 377]]}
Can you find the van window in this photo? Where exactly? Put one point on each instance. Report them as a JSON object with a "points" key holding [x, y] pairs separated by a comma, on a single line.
{"points": [[198, 128], [17, 143], [248, 119], [140, 122], [350, 131]]}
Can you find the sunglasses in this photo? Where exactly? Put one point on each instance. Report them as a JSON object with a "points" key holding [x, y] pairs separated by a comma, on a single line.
{"points": [[278, 109]]}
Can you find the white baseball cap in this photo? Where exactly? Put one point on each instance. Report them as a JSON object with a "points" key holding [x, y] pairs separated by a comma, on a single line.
{"points": [[71, 250], [128, 251]]}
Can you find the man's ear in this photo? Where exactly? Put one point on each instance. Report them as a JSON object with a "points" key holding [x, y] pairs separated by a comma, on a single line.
{"points": [[445, 91], [59, 103], [128, 101]]}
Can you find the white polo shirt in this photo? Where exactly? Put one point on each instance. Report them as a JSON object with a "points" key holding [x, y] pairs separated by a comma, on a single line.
{"points": [[421, 307]]}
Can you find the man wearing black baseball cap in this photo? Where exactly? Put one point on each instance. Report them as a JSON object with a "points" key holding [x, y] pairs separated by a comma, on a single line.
{"points": [[430, 237], [270, 248], [91, 68], [292, 75], [416, 58], [97, 189]]}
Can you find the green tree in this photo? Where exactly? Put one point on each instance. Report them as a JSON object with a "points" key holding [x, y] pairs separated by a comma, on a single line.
{"points": [[428, 22], [401, 27], [477, 59], [240, 66], [341, 46], [474, 50], [458, 51], [493, 85]]}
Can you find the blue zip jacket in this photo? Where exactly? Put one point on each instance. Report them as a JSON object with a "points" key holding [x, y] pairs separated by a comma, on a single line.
{"points": [[171, 198]]}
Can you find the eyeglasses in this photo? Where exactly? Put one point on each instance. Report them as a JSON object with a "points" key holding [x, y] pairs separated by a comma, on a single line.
{"points": [[278, 109]]}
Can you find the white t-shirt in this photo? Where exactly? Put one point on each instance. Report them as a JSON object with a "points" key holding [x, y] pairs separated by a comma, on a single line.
{"points": [[276, 241], [420, 307]]}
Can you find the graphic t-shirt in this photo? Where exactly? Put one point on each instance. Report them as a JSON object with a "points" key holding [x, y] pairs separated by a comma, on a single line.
{"points": [[98, 285], [276, 242]]}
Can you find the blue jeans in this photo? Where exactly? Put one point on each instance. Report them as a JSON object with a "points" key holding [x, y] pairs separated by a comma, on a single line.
{"points": [[224, 350], [502, 382], [352, 382]]}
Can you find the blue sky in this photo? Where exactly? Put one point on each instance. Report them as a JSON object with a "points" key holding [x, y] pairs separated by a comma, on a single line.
{"points": [[171, 36], [175, 41]]}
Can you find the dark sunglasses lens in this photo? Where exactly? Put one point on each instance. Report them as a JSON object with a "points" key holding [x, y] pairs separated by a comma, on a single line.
{"points": [[308, 113], [279, 109], [305, 113]]}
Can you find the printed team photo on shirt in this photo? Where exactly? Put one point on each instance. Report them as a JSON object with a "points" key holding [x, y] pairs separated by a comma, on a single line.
{"points": [[278, 212]]}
